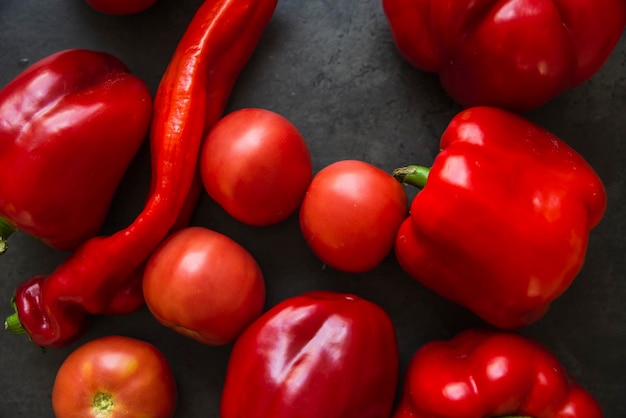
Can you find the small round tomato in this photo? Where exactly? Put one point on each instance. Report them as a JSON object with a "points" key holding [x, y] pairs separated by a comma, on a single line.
{"points": [[204, 285], [351, 213], [113, 377], [120, 7], [256, 165]]}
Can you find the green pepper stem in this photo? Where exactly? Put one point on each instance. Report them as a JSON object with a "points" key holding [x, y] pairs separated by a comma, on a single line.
{"points": [[13, 324], [6, 229], [412, 175]]}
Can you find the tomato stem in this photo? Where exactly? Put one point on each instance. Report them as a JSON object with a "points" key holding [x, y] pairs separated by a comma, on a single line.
{"points": [[103, 405], [412, 175]]}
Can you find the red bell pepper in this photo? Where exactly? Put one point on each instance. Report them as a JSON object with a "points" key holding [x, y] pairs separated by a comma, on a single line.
{"points": [[513, 54], [502, 223], [320, 354], [101, 275], [120, 7], [482, 374], [70, 124]]}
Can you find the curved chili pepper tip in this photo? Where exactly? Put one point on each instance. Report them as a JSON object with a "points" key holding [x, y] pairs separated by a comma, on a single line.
{"points": [[6, 229], [412, 175]]}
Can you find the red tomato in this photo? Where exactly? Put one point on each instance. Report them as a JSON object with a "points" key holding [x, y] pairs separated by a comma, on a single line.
{"points": [[120, 7], [114, 377], [204, 285], [351, 214], [256, 165]]}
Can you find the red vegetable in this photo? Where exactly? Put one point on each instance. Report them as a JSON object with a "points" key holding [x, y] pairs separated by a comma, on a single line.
{"points": [[514, 54], [483, 374], [70, 124], [502, 223], [204, 285], [320, 354], [256, 165], [112, 377], [351, 213], [120, 7], [191, 96]]}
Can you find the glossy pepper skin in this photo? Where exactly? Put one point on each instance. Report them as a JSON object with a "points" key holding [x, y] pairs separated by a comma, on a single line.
{"points": [[484, 373], [502, 223], [101, 275], [512, 54], [70, 124], [319, 354]]}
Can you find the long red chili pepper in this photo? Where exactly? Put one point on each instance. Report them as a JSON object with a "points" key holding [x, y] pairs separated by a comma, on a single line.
{"points": [[54, 310]]}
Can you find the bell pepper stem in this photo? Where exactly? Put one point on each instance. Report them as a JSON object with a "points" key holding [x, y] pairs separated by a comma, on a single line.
{"points": [[6, 229], [13, 325], [412, 175], [12, 322]]}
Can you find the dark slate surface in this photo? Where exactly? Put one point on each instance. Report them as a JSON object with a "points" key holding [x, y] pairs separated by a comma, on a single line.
{"points": [[332, 69]]}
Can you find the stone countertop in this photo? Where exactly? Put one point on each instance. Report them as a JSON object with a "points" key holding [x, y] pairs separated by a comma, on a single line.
{"points": [[333, 70]]}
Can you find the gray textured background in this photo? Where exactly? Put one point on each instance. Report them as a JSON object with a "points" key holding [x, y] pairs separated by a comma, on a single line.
{"points": [[332, 69]]}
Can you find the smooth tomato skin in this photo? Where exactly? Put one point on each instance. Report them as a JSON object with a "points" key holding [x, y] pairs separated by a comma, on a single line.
{"points": [[204, 285], [256, 165], [131, 376], [120, 7], [351, 213]]}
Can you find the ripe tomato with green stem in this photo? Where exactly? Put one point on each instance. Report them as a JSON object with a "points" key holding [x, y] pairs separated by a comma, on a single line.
{"points": [[114, 377], [204, 285]]}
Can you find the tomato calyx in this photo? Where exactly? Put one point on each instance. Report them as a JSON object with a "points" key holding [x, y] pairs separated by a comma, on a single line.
{"points": [[103, 405]]}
